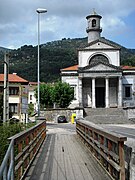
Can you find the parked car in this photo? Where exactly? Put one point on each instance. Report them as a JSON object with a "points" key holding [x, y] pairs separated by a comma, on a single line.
{"points": [[61, 119]]}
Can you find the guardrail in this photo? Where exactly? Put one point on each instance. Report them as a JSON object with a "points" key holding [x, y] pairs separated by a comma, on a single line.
{"points": [[22, 151], [107, 147]]}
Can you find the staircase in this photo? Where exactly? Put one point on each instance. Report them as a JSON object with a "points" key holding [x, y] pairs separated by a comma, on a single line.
{"points": [[106, 115]]}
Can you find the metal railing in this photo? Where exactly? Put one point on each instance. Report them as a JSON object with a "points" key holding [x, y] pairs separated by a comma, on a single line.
{"points": [[22, 151], [107, 147], [6, 169]]}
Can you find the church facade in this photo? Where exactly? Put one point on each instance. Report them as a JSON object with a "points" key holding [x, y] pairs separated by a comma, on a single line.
{"points": [[99, 80]]}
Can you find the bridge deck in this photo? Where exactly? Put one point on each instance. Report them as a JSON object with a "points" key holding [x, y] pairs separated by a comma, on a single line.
{"points": [[64, 157]]}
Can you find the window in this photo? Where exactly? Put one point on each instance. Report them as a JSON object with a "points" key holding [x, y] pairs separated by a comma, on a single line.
{"points": [[93, 23], [1, 89], [127, 91], [30, 97], [74, 88], [13, 90], [13, 108], [98, 58]]}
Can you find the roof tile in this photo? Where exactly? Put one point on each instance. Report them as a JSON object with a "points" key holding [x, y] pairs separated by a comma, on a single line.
{"points": [[13, 78], [128, 67], [71, 68]]}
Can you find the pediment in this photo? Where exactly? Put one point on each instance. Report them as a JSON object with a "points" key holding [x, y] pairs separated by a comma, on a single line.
{"points": [[100, 67], [102, 43]]}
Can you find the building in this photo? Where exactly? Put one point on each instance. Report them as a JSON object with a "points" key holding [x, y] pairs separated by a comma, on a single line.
{"points": [[18, 95], [32, 98], [99, 80]]}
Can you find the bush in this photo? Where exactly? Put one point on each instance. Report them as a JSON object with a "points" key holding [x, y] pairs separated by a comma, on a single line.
{"points": [[7, 130]]}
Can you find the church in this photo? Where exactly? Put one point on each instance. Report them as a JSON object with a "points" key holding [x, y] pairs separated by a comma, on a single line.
{"points": [[99, 80]]}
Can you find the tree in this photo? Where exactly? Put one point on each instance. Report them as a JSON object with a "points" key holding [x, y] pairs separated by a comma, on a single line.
{"points": [[62, 94], [30, 109], [45, 95]]}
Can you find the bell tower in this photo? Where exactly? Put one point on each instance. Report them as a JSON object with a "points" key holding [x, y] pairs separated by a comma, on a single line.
{"points": [[94, 30]]}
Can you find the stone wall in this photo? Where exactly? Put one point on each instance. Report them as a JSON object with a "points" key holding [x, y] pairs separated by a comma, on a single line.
{"points": [[130, 112], [52, 114]]}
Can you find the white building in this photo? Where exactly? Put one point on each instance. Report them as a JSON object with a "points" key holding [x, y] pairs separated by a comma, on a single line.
{"points": [[31, 97], [98, 79]]}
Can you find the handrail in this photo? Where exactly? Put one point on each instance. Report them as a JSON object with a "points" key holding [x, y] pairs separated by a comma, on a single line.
{"points": [[4, 171], [107, 147], [22, 151]]}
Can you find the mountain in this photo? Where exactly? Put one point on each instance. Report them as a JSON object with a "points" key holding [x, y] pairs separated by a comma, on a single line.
{"points": [[54, 56], [2, 49]]}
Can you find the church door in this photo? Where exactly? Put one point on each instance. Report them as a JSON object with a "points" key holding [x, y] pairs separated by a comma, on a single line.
{"points": [[100, 97]]}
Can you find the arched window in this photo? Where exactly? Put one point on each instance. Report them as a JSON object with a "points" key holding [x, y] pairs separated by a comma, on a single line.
{"points": [[98, 58], [93, 23]]}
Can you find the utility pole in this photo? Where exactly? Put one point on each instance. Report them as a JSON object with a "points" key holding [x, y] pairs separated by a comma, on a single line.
{"points": [[6, 88]]}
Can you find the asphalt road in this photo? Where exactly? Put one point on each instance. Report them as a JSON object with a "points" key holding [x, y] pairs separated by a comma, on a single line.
{"points": [[123, 129], [126, 130], [61, 127]]}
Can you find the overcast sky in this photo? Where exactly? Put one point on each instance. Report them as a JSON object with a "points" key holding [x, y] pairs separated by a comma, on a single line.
{"points": [[64, 19]]}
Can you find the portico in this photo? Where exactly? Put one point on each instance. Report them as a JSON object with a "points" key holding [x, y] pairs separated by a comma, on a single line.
{"points": [[100, 92]]}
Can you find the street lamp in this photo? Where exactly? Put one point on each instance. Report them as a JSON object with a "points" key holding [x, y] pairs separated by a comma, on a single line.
{"points": [[39, 11]]}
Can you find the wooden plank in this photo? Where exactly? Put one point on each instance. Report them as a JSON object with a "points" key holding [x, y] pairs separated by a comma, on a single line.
{"points": [[63, 157], [48, 162], [77, 152], [77, 173], [67, 161], [94, 168], [61, 167], [54, 174]]}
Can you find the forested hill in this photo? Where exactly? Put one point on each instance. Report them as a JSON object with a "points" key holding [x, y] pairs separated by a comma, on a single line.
{"points": [[53, 57]]}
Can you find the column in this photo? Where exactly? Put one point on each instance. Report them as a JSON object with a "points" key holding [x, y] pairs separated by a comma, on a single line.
{"points": [[93, 93], [120, 92], [107, 92], [80, 91]]}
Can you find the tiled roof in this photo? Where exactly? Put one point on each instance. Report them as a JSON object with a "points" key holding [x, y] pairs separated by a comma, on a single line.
{"points": [[128, 67], [75, 68], [116, 68], [33, 83], [71, 68], [13, 78]]}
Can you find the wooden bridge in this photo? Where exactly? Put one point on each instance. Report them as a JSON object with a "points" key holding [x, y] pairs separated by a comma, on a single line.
{"points": [[90, 154]]}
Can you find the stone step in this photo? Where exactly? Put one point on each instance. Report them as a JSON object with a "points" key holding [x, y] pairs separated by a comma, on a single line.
{"points": [[107, 119], [104, 111], [106, 115]]}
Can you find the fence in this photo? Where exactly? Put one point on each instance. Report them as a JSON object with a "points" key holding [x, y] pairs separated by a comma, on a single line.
{"points": [[107, 147], [21, 152]]}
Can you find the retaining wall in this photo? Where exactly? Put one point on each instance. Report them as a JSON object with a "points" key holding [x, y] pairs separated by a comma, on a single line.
{"points": [[52, 114]]}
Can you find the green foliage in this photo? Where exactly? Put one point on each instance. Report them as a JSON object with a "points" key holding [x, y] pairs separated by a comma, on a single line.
{"points": [[45, 95], [30, 109], [130, 61], [60, 93], [63, 94], [54, 56], [7, 130]]}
